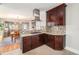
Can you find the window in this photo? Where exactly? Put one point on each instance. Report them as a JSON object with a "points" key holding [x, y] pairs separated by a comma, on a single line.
{"points": [[38, 25]]}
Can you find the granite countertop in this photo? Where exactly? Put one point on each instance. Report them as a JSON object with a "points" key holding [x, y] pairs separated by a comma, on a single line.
{"points": [[50, 33], [29, 34]]}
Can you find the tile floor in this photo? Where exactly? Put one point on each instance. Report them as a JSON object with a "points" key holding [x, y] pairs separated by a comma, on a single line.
{"points": [[42, 50]]}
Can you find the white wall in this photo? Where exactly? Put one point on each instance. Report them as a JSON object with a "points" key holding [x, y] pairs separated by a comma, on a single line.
{"points": [[43, 17], [72, 27]]}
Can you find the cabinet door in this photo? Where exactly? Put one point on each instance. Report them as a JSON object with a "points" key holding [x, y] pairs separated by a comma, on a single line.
{"points": [[26, 44], [35, 41], [57, 15], [59, 42], [61, 16], [53, 18], [43, 38], [50, 41]]}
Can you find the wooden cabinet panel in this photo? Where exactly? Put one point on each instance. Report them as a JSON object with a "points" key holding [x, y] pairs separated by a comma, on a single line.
{"points": [[56, 42], [51, 41], [31, 42], [43, 38], [51, 16], [35, 41], [57, 15], [26, 44], [61, 15], [59, 42]]}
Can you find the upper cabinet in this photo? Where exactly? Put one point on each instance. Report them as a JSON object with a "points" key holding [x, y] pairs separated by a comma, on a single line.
{"points": [[57, 15]]}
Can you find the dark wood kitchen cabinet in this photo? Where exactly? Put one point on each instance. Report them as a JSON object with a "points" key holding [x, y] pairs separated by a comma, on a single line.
{"points": [[35, 41], [31, 42], [38, 40], [51, 41], [57, 15], [43, 38], [59, 42], [56, 42], [26, 44]]}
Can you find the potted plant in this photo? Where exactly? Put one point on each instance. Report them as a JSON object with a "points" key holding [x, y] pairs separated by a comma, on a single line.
{"points": [[1, 26]]}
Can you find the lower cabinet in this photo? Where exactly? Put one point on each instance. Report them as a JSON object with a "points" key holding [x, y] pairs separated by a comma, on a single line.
{"points": [[35, 41], [59, 42], [31, 42], [51, 41], [26, 44], [43, 38], [56, 42]]}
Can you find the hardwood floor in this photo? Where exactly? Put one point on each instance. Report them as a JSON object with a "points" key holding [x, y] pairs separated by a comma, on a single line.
{"points": [[7, 45]]}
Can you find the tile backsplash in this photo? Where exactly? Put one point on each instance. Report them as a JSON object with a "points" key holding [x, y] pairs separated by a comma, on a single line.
{"points": [[57, 30]]}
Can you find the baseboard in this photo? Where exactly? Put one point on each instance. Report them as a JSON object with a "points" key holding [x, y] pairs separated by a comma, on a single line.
{"points": [[72, 50]]}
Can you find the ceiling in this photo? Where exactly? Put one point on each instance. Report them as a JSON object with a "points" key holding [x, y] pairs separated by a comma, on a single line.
{"points": [[26, 9], [30, 6]]}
